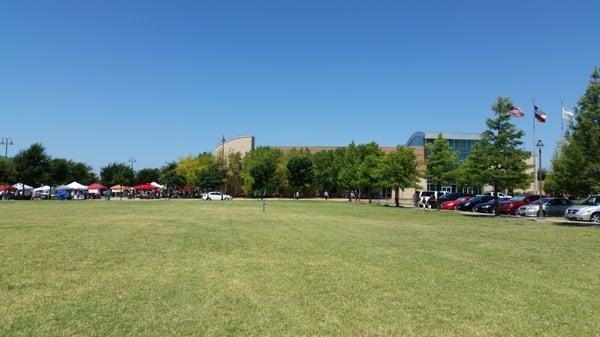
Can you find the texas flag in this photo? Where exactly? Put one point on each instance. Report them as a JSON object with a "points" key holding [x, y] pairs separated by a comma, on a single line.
{"points": [[539, 114]]}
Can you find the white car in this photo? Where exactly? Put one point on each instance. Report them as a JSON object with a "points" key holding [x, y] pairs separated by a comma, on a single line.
{"points": [[215, 196], [588, 210]]}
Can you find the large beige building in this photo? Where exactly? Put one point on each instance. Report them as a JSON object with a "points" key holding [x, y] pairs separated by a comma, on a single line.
{"points": [[239, 144]]}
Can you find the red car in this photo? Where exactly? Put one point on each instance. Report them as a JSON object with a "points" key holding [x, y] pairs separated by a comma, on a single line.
{"points": [[511, 206], [451, 204]]}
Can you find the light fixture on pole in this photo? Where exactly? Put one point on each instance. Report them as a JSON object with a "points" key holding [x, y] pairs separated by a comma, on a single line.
{"points": [[132, 161], [6, 141], [540, 146]]}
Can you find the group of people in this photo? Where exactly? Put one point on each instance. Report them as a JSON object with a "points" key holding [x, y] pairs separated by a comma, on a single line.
{"points": [[424, 202], [354, 196]]}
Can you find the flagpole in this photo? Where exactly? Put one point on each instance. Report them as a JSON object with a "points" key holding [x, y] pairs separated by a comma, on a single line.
{"points": [[533, 148], [562, 132]]}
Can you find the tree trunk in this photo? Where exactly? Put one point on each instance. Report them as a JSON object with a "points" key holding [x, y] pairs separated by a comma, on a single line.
{"points": [[497, 204], [370, 194], [397, 197]]}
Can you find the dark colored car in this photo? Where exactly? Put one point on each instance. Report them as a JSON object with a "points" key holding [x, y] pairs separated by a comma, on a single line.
{"points": [[486, 207], [511, 206], [468, 205]]}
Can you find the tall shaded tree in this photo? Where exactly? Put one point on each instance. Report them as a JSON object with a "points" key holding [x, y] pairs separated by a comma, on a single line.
{"points": [[32, 165], [441, 162], [8, 171], [368, 175], [147, 175], [498, 160], [399, 170], [213, 176], [117, 173], [325, 171], [299, 171], [170, 178], [260, 172], [63, 171], [576, 164], [233, 178]]}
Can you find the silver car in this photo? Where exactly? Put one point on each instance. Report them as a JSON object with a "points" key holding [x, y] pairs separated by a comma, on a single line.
{"points": [[550, 207], [588, 210]]}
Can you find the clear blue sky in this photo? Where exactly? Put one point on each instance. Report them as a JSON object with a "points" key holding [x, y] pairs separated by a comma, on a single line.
{"points": [[101, 81]]}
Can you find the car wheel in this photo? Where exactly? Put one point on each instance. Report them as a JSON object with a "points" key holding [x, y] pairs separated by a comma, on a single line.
{"points": [[595, 218], [456, 208]]}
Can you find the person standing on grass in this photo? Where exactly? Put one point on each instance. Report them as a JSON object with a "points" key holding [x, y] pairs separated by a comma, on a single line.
{"points": [[326, 194], [297, 195], [351, 196]]}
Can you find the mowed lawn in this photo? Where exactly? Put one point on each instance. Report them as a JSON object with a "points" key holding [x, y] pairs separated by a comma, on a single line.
{"points": [[194, 268]]}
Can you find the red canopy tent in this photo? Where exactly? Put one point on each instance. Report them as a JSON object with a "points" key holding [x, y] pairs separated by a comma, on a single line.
{"points": [[7, 188], [96, 186], [145, 187]]}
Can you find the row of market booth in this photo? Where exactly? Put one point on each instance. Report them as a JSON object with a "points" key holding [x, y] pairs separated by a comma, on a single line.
{"points": [[79, 191]]}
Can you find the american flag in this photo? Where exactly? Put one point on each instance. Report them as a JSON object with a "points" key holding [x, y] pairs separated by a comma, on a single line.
{"points": [[515, 111]]}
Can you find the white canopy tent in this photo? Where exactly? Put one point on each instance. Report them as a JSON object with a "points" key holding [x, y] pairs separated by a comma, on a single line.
{"points": [[21, 186], [40, 189], [155, 184], [76, 186]]}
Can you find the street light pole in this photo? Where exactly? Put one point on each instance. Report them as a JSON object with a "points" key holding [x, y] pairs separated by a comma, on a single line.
{"points": [[131, 161], [540, 145], [6, 141]]}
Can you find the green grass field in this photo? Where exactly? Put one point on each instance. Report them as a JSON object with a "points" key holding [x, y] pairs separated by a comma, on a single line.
{"points": [[193, 268]]}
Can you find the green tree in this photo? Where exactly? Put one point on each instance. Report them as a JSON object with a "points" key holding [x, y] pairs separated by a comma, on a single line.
{"points": [[63, 171], [369, 172], [147, 175], [348, 174], [576, 165], [497, 160], [260, 172], [32, 165], [325, 171], [8, 171], [299, 171], [399, 170], [117, 173], [213, 176], [441, 162], [233, 179], [190, 167], [170, 178]]}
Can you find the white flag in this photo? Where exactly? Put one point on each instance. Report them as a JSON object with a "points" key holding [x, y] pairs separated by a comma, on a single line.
{"points": [[566, 114]]}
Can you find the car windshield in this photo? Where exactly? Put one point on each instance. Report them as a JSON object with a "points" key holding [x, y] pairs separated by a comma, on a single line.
{"points": [[592, 201], [476, 199], [518, 198], [541, 201]]}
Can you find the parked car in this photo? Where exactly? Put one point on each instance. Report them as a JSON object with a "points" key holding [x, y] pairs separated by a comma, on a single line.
{"points": [[587, 210], [215, 196], [486, 207], [510, 206], [451, 203], [468, 205], [550, 207]]}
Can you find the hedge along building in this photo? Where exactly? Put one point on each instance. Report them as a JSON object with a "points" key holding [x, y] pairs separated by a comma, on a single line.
{"points": [[461, 142]]}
